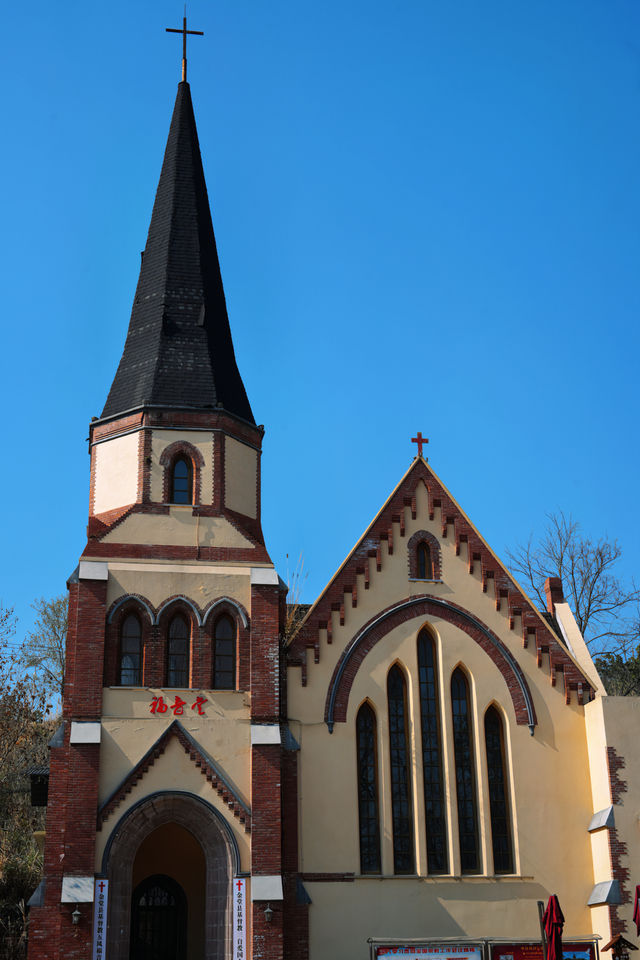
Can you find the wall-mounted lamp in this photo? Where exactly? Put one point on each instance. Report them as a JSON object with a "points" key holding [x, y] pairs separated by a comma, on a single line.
{"points": [[75, 916], [268, 913]]}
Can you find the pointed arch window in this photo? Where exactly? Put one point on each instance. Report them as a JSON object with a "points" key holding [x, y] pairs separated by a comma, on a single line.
{"points": [[224, 653], [434, 800], [178, 653], [425, 564], [403, 855], [368, 809], [498, 795], [182, 481], [130, 672], [465, 773]]}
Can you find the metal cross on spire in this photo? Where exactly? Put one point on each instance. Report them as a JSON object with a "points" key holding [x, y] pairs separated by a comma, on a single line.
{"points": [[184, 32], [420, 440]]}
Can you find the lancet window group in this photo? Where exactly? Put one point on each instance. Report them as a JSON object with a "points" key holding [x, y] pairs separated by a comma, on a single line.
{"points": [[461, 815], [177, 651]]}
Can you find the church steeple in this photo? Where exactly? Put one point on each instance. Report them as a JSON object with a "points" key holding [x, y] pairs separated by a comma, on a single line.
{"points": [[179, 352]]}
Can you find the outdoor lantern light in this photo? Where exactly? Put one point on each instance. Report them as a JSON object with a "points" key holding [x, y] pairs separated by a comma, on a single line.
{"points": [[268, 913], [75, 916]]}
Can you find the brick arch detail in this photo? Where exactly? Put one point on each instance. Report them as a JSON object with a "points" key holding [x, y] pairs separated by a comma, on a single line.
{"points": [[434, 549], [224, 603], [182, 604], [119, 610], [221, 859], [337, 699], [167, 458]]}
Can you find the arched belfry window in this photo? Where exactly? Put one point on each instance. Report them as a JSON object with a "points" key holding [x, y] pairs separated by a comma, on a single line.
{"points": [[465, 773], [178, 653], [130, 666], [498, 794], [224, 653], [182, 481], [425, 565], [368, 808], [403, 855], [434, 799]]}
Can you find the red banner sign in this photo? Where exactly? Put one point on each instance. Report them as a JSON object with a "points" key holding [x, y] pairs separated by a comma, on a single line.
{"points": [[533, 951]]}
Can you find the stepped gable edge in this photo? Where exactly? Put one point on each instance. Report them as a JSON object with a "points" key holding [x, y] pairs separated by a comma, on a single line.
{"points": [[366, 560], [208, 768]]}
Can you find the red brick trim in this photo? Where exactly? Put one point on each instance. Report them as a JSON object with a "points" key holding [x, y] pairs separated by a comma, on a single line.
{"points": [[617, 847], [208, 768], [423, 536], [97, 550], [181, 448], [367, 559], [344, 674]]}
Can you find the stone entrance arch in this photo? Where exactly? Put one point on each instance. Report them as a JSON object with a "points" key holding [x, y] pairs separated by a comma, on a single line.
{"points": [[221, 860]]}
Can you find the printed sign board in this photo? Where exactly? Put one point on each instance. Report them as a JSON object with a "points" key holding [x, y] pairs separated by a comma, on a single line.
{"points": [[239, 919], [533, 951], [100, 899], [422, 951]]}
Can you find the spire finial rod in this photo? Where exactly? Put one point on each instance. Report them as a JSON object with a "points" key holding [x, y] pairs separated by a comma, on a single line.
{"points": [[184, 32]]}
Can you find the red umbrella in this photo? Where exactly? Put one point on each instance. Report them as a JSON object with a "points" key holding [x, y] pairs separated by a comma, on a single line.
{"points": [[553, 921], [636, 910]]}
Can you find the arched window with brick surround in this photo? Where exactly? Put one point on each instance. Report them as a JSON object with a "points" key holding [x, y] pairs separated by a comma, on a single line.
{"points": [[224, 653], [178, 652], [432, 772], [465, 773], [130, 652], [498, 794], [425, 561], [182, 480], [400, 760], [368, 805]]}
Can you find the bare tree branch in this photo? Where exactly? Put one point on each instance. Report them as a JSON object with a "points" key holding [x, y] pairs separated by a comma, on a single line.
{"points": [[605, 608]]}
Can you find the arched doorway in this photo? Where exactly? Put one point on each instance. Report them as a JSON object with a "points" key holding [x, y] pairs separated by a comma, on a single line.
{"points": [[158, 920], [180, 837]]}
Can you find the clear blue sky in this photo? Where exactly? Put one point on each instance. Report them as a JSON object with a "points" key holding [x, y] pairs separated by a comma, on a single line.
{"points": [[427, 215]]}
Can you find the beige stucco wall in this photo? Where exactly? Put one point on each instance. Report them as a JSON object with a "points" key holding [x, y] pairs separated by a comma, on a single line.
{"points": [[201, 440], [551, 842], [240, 477], [115, 473], [129, 731], [180, 528], [613, 722], [157, 581]]}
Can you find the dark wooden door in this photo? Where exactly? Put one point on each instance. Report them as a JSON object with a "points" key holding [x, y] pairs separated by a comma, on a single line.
{"points": [[158, 920]]}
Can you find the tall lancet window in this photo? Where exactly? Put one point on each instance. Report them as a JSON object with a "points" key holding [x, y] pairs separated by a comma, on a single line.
{"points": [[224, 654], [425, 566], [182, 481], [178, 653], [403, 856], [131, 652], [465, 773], [368, 810], [498, 795], [435, 813]]}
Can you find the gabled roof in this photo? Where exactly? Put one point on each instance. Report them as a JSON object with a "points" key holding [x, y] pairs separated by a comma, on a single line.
{"points": [[178, 352], [200, 757], [367, 558]]}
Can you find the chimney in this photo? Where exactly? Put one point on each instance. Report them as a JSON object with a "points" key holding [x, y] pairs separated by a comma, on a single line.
{"points": [[553, 590]]}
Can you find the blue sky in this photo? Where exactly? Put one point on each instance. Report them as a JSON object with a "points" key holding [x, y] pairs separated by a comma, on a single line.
{"points": [[427, 216]]}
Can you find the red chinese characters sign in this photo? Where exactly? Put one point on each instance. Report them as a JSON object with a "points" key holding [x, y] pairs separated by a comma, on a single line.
{"points": [[533, 951], [159, 706]]}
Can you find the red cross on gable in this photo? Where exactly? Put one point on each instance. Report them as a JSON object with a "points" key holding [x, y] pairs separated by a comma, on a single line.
{"points": [[420, 440]]}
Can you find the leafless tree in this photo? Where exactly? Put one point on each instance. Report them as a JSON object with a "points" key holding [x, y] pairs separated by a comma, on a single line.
{"points": [[605, 607], [44, 648]]}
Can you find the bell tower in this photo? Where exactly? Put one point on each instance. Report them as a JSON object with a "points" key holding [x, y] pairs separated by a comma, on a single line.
{"points": [[168, 762]]}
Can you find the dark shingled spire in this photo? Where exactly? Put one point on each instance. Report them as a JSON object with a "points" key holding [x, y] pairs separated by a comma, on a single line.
{"points": [[178, 351]]}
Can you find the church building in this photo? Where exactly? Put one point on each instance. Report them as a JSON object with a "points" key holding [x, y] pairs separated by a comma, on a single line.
{"points": [[410, 773]]}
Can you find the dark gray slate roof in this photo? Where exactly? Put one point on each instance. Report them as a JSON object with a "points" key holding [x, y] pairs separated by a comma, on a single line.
{"points": [[178, 351]]}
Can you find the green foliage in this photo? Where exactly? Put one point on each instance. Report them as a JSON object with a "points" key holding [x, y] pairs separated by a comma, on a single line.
{"points": [[620, 676]]}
